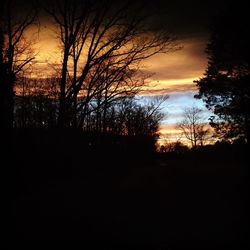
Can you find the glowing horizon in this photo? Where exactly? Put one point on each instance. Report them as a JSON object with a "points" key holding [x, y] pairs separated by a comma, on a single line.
{"points": [[172, 73]]}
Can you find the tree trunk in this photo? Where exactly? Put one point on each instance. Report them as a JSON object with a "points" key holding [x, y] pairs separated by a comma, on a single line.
{"points": [[74, 111], [105, 109], [7, 79], [62, 98], [6, 99]]}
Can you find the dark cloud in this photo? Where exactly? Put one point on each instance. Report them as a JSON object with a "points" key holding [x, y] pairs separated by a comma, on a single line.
{"points": [[185, 18]]}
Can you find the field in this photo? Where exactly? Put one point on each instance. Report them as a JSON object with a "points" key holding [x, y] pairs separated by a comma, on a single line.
{"points": [[196, 200]]}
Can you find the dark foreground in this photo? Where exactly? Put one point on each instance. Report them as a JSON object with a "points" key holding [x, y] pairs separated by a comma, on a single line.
{"points": [[109, 198]]}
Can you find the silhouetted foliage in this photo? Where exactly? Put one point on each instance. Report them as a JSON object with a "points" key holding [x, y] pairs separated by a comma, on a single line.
{"points": [[36, 103], [16, 53], [103, 43], [176, 147], [125, 116], [225, 87]]}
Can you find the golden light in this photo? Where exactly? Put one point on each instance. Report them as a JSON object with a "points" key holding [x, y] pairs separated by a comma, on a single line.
{"points": [[172, 72]]}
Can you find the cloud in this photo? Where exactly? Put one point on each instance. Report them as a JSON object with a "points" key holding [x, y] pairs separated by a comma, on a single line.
{"points": [[185, 18], [188, 63], [177, 102], [169, 133]]}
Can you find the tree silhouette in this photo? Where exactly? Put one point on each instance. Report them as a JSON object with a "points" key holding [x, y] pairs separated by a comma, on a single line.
{"points": [[193, 126], [15, 53], [173, 147], [144, 119], [102, 43], [127, 117], [225, 86], [36, 102]]}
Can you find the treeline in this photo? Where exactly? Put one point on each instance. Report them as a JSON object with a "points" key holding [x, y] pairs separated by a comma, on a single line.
{"points": [[37, 106], [102, 46], [222, 156], [95, 87]]}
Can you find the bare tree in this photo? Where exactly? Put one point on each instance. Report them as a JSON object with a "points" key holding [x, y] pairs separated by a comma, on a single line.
{"points": [[126, 116], [15, 53], [100, 38], [108, 86], [193, 126], [36, 102]]}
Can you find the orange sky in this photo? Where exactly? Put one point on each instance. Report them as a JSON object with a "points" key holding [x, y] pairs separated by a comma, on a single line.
{"points": [[180, 67], [173, 73], [174, 76]]}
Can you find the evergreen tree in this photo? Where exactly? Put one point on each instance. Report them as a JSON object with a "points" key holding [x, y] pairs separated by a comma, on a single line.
{"points": [[225, 87]]}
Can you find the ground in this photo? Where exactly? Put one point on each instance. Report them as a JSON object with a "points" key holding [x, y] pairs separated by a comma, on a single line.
{"points": [[192, 201]]}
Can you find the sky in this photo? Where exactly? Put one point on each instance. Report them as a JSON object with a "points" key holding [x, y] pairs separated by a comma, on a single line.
{"points": [[172, 73], [175, 72]]}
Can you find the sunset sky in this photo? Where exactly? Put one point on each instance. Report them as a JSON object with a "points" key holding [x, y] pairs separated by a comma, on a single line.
{"points": [[174, 76], [176, 71], [173, 73]]}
